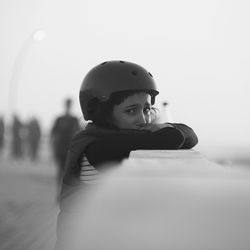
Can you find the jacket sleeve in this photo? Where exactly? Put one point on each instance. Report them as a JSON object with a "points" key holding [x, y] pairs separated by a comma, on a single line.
{"points": [[190, 138], [116, 147]]}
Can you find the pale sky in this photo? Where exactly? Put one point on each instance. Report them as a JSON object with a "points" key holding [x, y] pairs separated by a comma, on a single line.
{"points": [[198, 52]]}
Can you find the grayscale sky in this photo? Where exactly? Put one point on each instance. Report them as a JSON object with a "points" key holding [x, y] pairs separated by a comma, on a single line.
{"points": [[198, 52]]}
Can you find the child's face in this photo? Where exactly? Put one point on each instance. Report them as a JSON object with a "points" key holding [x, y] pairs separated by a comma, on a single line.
{"points": [[133, 112]]}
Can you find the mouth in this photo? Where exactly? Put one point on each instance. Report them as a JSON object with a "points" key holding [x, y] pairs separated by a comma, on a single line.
{"points": [[140, 126]]}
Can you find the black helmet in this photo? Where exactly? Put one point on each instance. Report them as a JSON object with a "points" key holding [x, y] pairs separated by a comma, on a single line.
{"points": [[114, 76]]}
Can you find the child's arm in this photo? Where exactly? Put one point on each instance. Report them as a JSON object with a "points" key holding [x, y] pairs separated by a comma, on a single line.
{"points": [[116, 147], [191, 138]]}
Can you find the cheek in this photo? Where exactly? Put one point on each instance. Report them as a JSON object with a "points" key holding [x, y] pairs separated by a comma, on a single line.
{"points": [[119, 120], [126, 119], [125, 122]]}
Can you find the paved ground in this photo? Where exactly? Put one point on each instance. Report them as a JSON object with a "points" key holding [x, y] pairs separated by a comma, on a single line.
{"points": [[28, 208]]}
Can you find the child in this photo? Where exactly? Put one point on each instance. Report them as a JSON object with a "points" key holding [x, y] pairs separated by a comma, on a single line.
{"points": [[117, 97]]}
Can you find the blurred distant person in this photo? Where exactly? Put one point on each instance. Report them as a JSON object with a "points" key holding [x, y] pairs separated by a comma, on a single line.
{"points": [[33, 138], [166, 112], [16, 140], [63, 129], [1, 134]]}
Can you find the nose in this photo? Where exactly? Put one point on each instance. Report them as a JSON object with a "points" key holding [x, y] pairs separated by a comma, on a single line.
{"points": [[141, 119]]}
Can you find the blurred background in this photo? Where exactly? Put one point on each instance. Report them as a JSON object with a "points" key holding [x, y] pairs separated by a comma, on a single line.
{"points": [[197, 51]]}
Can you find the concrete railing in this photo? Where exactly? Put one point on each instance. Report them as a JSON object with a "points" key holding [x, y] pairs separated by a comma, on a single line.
{"points": [[173, 199]]}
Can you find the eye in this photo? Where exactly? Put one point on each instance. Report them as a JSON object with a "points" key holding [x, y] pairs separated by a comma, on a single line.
{"points": [[147, 111], [130, 111]]}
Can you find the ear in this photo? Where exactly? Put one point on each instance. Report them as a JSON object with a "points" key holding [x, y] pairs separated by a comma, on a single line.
{"points": [[155, 115]]}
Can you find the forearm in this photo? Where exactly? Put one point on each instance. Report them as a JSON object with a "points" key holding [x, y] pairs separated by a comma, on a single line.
{"points": [[118, 146]]}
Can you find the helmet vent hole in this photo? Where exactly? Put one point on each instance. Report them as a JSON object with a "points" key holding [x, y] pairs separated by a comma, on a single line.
{"points": [[134, 73], [121, 61], [150, 74], [104, 63]]}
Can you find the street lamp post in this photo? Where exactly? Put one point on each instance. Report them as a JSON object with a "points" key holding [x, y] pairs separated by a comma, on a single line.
{"points": [[36, 36]]}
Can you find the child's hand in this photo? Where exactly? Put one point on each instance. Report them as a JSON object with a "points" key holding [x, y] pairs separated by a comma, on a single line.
{"points": [[155, 126]]}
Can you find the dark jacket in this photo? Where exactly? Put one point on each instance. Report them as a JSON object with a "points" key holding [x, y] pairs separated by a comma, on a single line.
{"points": [[106, 145]]}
